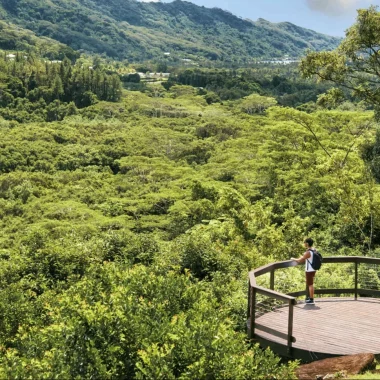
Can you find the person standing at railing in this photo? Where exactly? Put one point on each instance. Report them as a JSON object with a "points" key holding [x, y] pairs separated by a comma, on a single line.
{"points": [[307, 258]]}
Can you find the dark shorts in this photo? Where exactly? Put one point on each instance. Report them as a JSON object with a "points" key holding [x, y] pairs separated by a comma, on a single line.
{"points": [[310, 278]]}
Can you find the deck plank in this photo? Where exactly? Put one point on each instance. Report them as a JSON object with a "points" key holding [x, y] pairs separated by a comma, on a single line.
{"points": [[335, 326]]}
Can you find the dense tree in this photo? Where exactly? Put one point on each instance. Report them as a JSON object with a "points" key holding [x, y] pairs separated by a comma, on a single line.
{"points": [[356, 62], [31, 84], [283, 83], [257, 104]]}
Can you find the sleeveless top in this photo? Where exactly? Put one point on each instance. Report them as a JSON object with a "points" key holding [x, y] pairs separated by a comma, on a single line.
{"points": [[308, 267]]}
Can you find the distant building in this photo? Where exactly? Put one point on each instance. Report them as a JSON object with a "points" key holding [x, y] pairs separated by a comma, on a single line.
{"points": [[158, 75], [11, 56], [167, 53], [148, 76], [280, 61]]}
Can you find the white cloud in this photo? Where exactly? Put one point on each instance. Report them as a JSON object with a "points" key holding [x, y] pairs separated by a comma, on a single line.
{"points": [[334, 7], [149, 1]]}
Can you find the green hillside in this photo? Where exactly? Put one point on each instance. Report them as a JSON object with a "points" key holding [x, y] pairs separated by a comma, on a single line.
{"points": [[13, 37], [127, 29]]}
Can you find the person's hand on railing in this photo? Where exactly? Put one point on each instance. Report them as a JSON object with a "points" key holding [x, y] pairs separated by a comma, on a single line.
{"points": [[294, 260]]}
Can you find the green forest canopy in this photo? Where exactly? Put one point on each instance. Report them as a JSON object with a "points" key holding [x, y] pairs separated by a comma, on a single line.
{"points": [[109, 211], [129, 221]]}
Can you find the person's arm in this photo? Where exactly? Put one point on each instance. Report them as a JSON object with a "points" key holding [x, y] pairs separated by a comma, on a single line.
{"points": [[303, 258]]}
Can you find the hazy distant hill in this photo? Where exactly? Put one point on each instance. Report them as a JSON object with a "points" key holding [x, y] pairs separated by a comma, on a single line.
{"points": [[138, 31]]}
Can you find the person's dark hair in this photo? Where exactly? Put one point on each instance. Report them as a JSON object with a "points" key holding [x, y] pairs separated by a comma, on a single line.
{"points": [[309, 242]]}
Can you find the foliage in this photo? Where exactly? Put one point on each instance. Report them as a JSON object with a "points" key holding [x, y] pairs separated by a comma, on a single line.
{"points": [[256, 104], [331, 99], [129, 220], [33, 89], [355, 63], [282, 83], [144, 30], [14, 37]]}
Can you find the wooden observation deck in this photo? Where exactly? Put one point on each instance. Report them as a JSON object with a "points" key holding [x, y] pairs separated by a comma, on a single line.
{"points": [[336, 325]]}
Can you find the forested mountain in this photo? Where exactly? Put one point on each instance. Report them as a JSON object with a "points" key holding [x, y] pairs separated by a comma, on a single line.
{"points": [[13, 37], [127, 29]]}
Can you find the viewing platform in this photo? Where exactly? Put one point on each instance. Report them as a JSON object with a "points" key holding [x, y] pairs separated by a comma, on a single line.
{"points": [[344, 320]]}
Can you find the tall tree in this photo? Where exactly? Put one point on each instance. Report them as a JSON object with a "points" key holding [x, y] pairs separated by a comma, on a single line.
{"points": [[57, 87], [355, 64]]}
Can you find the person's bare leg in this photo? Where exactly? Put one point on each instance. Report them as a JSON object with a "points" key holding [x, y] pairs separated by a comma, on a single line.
{"points": [[311, 291]]}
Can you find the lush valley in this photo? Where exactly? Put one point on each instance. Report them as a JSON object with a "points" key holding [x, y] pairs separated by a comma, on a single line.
{"points": [[132, 211], [128, 229]]}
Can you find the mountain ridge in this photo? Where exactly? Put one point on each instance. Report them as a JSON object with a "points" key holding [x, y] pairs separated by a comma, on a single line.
{"points": [[138, 31]]}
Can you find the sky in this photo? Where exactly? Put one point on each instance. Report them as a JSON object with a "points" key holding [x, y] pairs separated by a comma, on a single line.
{"points": [[331, 17]]}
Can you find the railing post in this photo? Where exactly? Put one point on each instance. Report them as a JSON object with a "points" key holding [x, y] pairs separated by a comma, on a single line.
{"points": [[290, 326], [249, 300], [272, 279], [356, 279], [252, 312]]}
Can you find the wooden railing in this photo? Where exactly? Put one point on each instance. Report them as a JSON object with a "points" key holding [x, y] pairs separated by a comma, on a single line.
{"points": [[290, 298]]}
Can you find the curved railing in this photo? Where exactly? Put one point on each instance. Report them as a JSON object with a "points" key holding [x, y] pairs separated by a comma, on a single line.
{"points": [[254, 289]]}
